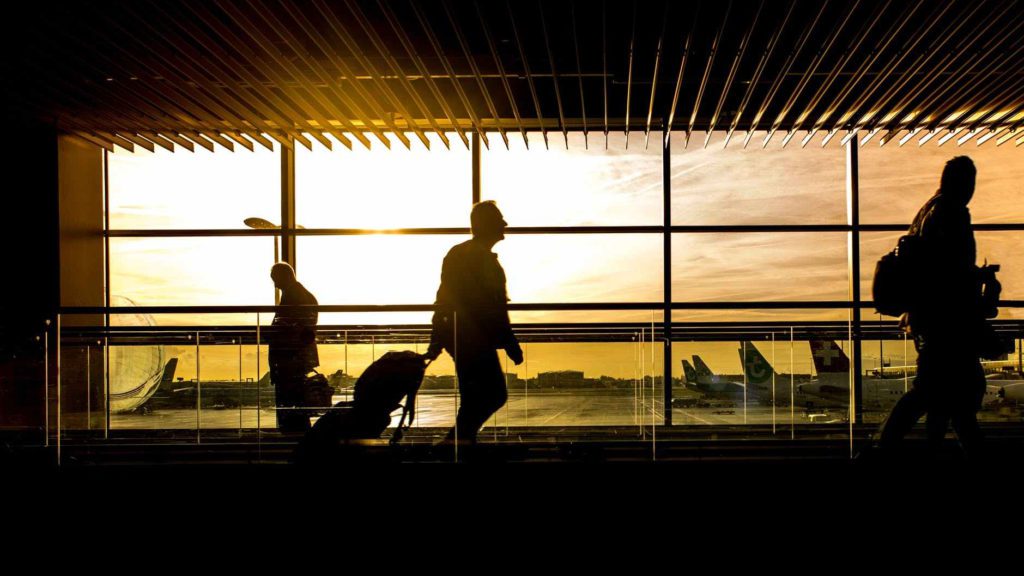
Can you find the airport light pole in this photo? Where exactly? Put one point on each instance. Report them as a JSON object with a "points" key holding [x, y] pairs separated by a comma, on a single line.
{"points": [[262, 224]]}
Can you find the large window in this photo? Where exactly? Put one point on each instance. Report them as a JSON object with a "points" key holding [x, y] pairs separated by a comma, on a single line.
{"points": [[192, 190], [380, 188], [759, 240], [737, 185], [582, 184]]}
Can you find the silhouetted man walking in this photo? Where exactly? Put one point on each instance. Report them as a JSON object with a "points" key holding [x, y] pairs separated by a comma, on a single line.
{"points": [[946, 320], [292, 348], [471, 322]]}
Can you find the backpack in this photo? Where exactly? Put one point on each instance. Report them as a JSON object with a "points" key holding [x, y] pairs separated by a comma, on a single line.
{"points": [[895, 284]]}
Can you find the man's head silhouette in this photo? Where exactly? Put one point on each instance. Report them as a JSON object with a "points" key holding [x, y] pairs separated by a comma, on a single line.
{"points": [[958, 179], [487, 222], [282, 274]]}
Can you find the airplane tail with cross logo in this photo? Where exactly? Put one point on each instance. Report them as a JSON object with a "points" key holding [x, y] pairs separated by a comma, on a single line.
{"points": [[829, 358]]}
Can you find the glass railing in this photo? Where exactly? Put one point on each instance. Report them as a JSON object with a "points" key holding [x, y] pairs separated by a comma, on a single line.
{"points": [[200, 379]]}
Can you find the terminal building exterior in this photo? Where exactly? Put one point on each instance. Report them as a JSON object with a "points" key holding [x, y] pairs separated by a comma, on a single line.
{"points": [[679, 178]]}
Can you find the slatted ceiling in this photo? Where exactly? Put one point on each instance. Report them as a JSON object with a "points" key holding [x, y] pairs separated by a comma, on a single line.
{"points": [[222, 73]]}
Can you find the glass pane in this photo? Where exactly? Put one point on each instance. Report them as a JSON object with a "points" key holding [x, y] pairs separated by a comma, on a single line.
{"points": [[200, 189], [583, 268], [759, 381], [381, 188], [582, 185], [539, 268], [380, 269], [192, 271], [759, 266], [642, 317], [896, 180], [753, 315], [718, 185]]}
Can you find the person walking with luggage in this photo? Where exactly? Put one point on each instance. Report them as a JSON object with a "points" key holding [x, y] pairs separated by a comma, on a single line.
{"points": [[946, 318], [471, 322], [292, 348]]}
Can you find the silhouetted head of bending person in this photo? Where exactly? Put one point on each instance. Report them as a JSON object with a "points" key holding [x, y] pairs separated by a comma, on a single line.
{"points": [[283, 275], [487, 223], [958, 179]]}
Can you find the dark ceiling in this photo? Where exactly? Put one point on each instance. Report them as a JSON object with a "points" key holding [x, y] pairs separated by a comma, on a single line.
{"points": [[248, 72]]}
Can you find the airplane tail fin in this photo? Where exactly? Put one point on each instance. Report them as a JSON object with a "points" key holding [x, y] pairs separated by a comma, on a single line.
{"points": [[689, 372], [702, 370], [265, 380], [757, 367], [169, 370], [829, 358]]}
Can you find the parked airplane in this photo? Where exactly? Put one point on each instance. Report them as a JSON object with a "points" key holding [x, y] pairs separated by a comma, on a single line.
{"points": [[214, 393], [881, 394], [700, 378], [768, 386]]}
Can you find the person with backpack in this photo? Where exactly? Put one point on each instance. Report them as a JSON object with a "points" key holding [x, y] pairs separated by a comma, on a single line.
{"points": [[292, 348], [945, 314], [471, 322]]}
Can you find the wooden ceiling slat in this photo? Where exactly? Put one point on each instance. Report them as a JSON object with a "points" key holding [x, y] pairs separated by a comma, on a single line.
{"points": [[909, 15], [243, 141], [199, 139], [223, 66], [446, 63], [629, 74], [758, 71], [924, 85], [604, 67], [654, 79], [888, 117], [421, 67], [715, 46], [95, 140], [784, 71], [287, 104], [320, 73], [944, 109], [339, 64], [992, 134], [158, 140], [175, 83], [852, 51], [316, 105], [179, 140], [181, 74], [579, 75], [117, 140], [378, 78], [526, 72], [554, 74], [809, 73], [242, 72], [1008, 90], [500, 67], [471, 61], [137, 140], [732, 73], [1011, 134]]}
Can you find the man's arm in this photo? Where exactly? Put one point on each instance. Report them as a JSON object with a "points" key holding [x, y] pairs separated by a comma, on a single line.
{"points": [[440, 333]]}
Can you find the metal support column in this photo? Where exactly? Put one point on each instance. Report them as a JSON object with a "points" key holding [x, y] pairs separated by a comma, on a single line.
{"points": [[288, 205], [476, 167], [666, 192], [853, 245]]}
